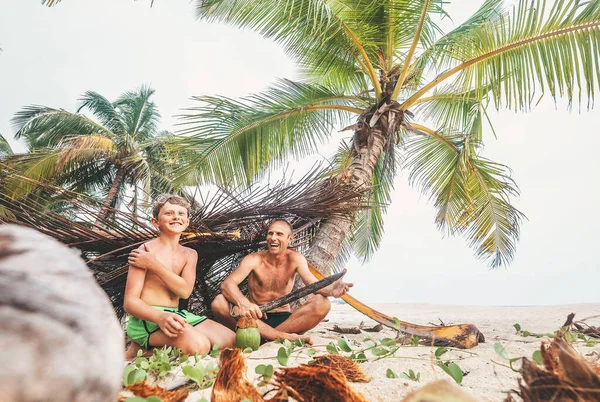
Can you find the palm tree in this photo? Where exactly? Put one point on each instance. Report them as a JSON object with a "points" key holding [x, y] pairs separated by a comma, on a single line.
{"points": [[415, 97], [120, 148]]}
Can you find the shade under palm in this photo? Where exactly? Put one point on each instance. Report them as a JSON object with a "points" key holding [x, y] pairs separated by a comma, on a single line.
{"points": [[416, 99], [118, 151]]}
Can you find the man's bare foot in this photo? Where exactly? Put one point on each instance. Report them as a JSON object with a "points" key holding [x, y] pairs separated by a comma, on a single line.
{"points": [[132, 351]]}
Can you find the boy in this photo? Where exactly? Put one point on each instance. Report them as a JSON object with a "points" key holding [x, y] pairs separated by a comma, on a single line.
{"points": [[160, 272]]}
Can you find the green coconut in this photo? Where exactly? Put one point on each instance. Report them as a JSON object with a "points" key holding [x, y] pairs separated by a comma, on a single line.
{"points": [[247, 334]]}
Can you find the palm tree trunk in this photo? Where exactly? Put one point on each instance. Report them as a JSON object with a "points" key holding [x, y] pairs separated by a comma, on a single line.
{"points": [[112, 193], [329, 239]]}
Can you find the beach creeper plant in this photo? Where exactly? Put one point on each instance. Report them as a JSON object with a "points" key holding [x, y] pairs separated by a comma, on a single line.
{"points": [[414, 98]]}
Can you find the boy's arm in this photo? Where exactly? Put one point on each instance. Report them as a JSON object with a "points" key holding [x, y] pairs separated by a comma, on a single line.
{"points": [[182, 285], [231, 291], [336, 289], [171, 324]]}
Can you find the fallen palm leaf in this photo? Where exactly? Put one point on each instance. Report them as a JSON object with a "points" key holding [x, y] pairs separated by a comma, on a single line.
{"points": [[308, 383], [145, 390], [343, 365], [464, 336], [230, 383]]}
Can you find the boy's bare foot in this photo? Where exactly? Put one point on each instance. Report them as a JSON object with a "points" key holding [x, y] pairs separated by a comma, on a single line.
{"points": [[132, 350]]}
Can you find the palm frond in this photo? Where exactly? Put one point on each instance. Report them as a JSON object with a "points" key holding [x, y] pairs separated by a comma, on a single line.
{"points": [[106, 113], [42, 126], [85, 148], [471, 194], [235, 140], [229, 225], [139, 112], [5, 148], [531, 50]]}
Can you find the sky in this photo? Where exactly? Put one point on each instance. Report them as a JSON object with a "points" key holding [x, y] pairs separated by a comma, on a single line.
{"points": [[50, 56]]}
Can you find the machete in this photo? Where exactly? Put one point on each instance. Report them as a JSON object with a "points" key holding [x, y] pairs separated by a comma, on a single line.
{"points": [[298, 293]]}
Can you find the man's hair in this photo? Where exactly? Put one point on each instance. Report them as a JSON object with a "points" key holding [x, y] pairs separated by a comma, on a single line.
{"points": [[162, 199], [289, 225]]}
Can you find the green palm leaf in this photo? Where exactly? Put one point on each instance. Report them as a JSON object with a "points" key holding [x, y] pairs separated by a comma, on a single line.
{"points": [[530, 50], [235, 140], [4, 146], [470, 193]]}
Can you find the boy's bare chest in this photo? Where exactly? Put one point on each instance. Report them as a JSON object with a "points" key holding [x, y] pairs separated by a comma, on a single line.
{"points": [[172, 261]]}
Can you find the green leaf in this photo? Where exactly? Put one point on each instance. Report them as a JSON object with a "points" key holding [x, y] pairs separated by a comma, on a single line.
{"points": [[379, 351], [397, 323], [517, 327], [311, 352], [391, 373], [282, 356], [195, 374], [126, 372], [331, 348], [440, 351], [389, 342], [248, 350], [454, 371], [537, 357], [499, 349], [136, 399], [343, 343], [153, 398]]}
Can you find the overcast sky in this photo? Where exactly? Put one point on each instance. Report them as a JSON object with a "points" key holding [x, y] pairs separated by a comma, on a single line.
{"points": [[52, 56]]}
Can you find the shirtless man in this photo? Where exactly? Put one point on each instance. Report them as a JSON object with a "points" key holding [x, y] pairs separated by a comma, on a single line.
{"points": [[271, 275], [161, 272]]}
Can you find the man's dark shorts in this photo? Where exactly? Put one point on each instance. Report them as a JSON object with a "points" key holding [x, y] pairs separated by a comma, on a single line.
{"points": [[275, 319]]}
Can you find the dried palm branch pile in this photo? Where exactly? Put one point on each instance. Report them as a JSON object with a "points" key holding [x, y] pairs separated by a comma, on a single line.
{"points": [[144, 390], [225, 226], [230, 384], [311, 383], [566, 376], [344, 366]]}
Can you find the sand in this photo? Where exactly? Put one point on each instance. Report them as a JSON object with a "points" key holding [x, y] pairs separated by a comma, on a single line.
{"points": [[486, 377]]}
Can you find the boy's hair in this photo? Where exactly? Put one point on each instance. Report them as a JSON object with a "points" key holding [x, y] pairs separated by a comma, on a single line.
{"points": [[289, 225], [162, 199]]}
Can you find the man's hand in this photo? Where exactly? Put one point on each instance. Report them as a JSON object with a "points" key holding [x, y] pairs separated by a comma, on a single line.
{"points": [[339, 287], [248, 309], [142, 258], [171, 324]]}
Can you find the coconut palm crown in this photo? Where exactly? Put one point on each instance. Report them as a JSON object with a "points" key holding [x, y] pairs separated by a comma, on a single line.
{"points": [[414, 97], [119, 146]]}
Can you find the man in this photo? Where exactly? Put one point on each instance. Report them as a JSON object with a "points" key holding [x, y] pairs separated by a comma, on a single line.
{"points": [[271, 275], [161, 272]]}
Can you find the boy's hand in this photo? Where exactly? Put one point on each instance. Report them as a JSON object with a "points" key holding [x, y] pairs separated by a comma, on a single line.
{"points": [[142, 258], [171, 324]]}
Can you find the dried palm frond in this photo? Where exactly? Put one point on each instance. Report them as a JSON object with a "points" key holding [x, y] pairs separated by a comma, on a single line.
{"points": [[309, 383], [343, 365], [230, 383], [566, 376], [144, 390], [229, 224]]}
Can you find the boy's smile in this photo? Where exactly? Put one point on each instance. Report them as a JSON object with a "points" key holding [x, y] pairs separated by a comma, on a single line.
{"points": [[172, 217]]}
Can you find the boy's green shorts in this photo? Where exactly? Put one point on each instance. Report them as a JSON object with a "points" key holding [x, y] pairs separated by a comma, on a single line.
{"points": [[139, 331]]}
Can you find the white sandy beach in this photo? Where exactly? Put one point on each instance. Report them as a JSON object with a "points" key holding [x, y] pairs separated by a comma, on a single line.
{"points": [[485, 379]]}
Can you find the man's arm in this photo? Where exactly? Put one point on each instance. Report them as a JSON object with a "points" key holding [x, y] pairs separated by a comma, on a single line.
{"points": [[336, 289], [231, 291], [171, 324], [182, 285]]}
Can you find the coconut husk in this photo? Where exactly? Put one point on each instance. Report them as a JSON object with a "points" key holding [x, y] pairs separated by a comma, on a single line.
{"points": [[246, 322], [310, 383], [440, 391], [566, 376], [342, 365], [145, 390], [230, 383]]}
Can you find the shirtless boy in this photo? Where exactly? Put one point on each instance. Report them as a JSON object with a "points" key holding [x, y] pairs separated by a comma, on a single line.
{"points": [[161, 272], [271, 275]]}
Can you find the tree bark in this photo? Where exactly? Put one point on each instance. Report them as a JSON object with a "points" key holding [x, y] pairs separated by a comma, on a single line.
{"points": [[329, 239], [112, 193]]}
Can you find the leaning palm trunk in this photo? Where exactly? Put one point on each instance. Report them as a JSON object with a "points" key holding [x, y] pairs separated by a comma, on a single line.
{"points": [[119, 177]]}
